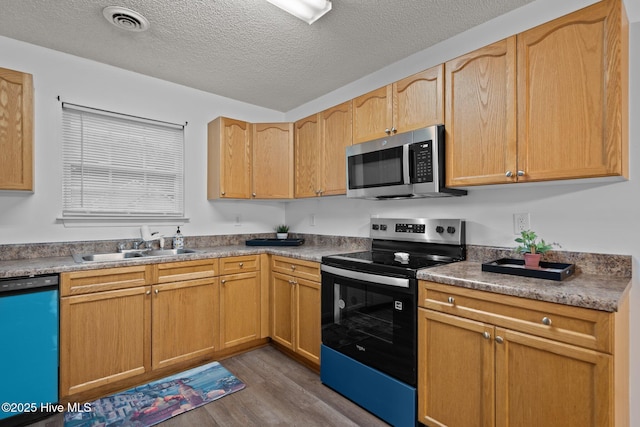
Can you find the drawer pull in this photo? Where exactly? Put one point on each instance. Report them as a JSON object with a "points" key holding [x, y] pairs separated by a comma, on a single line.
{"points": [[499, 339], [546, 321], [241, 264], [148, 292], [157, 291], [451, 300], [293, 267], [223, 281], [486, 335]]}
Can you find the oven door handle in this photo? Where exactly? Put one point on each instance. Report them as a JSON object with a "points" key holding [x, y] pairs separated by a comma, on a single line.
{"points": [[366, 277]]}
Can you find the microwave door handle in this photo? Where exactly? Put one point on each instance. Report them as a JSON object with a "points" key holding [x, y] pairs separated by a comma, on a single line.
{"points": [[406, 166]]}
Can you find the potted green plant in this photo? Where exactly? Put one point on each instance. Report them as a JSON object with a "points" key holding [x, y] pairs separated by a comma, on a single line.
{"points": [[282, 231], [532, 248]]}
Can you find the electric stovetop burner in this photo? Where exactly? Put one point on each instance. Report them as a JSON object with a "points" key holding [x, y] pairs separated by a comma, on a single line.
{"points": [[401, 247]]}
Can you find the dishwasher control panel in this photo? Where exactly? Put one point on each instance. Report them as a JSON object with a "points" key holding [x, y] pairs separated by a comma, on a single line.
{"points": [[13, 284]]}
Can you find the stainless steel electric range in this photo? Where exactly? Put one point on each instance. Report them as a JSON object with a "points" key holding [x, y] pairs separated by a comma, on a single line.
{"points": [[369, 312]]}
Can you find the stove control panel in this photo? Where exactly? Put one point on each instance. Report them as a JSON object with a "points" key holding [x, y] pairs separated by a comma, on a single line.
{"points": [[447, 231]]}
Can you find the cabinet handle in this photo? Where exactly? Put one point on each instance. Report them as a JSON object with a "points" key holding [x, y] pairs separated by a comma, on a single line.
{"points": [[394, 130], [292, 282], [387, 131], [499, 339], [148, 292], [241, 264], [451, 300], [508, 174], [253, 194], [486, 335], [520, 173], [157, 291], [223, 281], [223, 193], [293, 267], [546, 321]]}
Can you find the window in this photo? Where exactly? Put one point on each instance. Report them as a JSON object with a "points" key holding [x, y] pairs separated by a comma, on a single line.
{"points": [[117, 166]]}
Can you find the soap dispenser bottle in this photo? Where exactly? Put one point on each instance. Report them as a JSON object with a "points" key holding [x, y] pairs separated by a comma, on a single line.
{"points": [[178, 240]]}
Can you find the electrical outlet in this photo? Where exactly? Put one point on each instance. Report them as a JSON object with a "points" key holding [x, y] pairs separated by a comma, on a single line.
{"points": [[521, 222]]}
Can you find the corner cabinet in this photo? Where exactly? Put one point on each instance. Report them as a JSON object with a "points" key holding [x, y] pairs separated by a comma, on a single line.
{"points": [[320, 152], [515, 362], [408, 104], [568, 82], [295, 299], [16, 130], [229, 159]]}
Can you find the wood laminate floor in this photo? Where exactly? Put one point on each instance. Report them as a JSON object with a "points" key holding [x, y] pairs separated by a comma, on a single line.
{"points": [[279, 392]]}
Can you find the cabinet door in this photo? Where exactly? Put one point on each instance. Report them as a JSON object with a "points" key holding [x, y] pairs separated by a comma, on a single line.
{"points": [[273, 160], [183, 325], [239, 308], [307, 157], [373, 115], [540, 382], [229, 159], [572, 90], [336, 136], [104, 337], [307, 320], [480, 119], [455, 371], [419, 100], [282, 294], [16, 130]]}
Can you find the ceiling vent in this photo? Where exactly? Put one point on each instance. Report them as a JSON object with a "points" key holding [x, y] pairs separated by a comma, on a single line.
{"points": [[125, 19]]}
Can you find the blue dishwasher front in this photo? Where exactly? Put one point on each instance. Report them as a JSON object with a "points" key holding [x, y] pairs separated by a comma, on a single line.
{"points": [[29, 355]]}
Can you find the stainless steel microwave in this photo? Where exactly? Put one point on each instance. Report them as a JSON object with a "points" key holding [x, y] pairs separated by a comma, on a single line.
{"points": [[405, 165]]}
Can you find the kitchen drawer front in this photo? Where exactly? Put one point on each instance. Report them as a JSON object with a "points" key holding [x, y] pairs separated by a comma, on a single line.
{"points": [[296, 267], [186, 270], [104, 279], [573, 325], [239, 264]]}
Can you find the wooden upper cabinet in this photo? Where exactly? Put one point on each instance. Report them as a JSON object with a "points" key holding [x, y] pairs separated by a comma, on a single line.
{"points": [[320, 143], [409, 104], [272, 175], [480, 121], [307, 159], [336, 136], [16, 130], [229, 159], [573, 95]]}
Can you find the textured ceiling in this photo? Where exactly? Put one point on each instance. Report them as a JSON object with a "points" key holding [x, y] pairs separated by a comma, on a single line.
{"points": [[248, 50]]}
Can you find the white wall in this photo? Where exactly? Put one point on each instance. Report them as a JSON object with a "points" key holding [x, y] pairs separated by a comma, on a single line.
{"points": [[31, 217], [599, 217]]}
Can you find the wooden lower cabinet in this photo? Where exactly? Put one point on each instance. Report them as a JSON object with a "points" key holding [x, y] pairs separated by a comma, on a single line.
{"points": [[239, 308], [482, 367], [104, 337], [183, 321], [295, 307]]}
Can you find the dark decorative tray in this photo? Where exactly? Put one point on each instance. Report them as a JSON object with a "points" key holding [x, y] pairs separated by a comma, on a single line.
{"points": [[547, 270], [274, 242]]}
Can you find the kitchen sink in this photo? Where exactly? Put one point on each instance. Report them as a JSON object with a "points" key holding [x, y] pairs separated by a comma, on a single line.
{"points": [[130, 254]]}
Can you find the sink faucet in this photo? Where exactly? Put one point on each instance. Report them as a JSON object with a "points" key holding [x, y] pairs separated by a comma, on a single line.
{"points": [[148, 237]]}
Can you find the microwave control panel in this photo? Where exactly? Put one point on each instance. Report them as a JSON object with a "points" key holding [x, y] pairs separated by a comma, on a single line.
{"points": [[422, 162]]}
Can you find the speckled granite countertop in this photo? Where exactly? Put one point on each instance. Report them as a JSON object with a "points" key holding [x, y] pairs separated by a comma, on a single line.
{"points": [[599, 292], [60, 264], [601, 282]]}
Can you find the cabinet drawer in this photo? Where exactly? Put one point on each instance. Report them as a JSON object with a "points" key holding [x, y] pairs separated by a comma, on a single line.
{"points": [[296, 267], [239, 264], [186, 270], [104, 279], [572, 325]]}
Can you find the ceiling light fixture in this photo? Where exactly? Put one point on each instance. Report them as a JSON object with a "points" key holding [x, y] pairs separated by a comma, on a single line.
{"points": [[125, 19], [307, 10]]}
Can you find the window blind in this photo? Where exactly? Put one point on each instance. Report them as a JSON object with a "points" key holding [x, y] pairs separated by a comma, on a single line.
{"points": [[119, 166]]}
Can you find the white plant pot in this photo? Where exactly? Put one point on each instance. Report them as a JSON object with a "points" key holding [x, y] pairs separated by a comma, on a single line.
{"points": [[282, 235]]}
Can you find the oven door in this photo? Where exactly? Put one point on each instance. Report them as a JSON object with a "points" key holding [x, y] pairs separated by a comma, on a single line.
{"points": [[372, 319]]}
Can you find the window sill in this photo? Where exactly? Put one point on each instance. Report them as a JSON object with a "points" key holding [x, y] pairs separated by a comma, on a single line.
{"points": [[97, 221]]}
